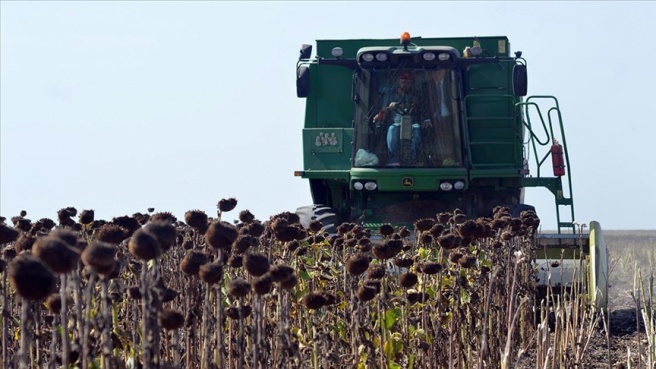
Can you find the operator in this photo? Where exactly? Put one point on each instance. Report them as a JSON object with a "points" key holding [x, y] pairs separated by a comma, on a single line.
{"points": [[401, 101]]}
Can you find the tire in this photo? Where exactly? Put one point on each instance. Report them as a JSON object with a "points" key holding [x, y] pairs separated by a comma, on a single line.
{"points": [[324, 214], [516, 210]]}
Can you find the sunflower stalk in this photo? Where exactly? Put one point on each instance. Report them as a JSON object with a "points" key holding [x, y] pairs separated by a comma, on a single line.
{"points": [[86, 346], [146, 331], [24, 335], [218, 352], [205, 360], [4, 317], [106, 340], [64, 320]]}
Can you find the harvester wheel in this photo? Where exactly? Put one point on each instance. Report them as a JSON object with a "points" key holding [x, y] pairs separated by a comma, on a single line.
{"points": [[324, 214], [517, 209]]}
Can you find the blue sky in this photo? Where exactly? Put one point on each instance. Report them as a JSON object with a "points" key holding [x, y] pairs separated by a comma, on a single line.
{"points": [[122, 106]]}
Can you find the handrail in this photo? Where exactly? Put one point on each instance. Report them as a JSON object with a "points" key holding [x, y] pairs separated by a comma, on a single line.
{"points": [[550, 133], [534, 137], [527, 124]]}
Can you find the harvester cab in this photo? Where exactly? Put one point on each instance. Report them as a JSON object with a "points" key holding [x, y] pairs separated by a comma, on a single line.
{"points": [[399, 131]]}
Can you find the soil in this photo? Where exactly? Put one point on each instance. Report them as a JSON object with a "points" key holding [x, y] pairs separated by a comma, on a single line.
{"points": [[626, 341], [628, 251]]}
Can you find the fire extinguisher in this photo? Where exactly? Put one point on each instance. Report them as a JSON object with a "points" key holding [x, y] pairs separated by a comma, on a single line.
{"points": [[557, 159]]}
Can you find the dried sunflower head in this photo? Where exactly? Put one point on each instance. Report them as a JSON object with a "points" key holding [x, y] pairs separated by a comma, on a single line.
{"points": [[403, 262], [366, 293], [357, 264], [171, 319], [256, 264], [238, 287], [55, 252], [196, 218], [376, 271], [281, 272], [386, 230], [424, 224], [234, 313], [8, 234], [245, 216], [192, 262], [221, 235], [86, 216], [144, 245], [99, 254], [263, 284], [290, 282], [30, 277], [53, 303], [111, 233], [408, 280], [24, 242], [431, 267], [130, 224], [225, 205], [163, 216], [211, 273], [314, 301], [164, 232]]}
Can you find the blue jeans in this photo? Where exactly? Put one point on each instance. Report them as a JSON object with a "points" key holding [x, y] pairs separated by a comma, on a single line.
{"points": [[393, 141]]}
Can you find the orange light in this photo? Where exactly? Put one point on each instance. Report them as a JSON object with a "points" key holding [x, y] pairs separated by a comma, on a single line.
{"points": [[405, 38]]}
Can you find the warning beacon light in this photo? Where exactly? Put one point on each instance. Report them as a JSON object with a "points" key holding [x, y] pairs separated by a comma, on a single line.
{"points": [[405, 40]]}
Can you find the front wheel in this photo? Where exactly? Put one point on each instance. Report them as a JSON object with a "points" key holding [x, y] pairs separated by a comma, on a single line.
{"points": [[516, 210]]}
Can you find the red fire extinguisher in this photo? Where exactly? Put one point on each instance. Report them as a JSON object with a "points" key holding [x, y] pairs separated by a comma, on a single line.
{"points": [[557, 159]]}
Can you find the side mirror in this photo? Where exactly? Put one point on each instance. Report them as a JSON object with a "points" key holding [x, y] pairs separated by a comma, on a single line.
{"points": [[520, 80], [306, 52], [302, 81]]}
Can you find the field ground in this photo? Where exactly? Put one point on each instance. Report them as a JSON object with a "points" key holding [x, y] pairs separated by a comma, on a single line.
{"points": [[628, 251]]}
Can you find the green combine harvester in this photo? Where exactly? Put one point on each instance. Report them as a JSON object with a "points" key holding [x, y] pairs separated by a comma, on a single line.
{"points": [[399, 130]]}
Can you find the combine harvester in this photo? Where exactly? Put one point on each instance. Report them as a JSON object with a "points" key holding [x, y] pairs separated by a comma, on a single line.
{"points": [[395, 132]]}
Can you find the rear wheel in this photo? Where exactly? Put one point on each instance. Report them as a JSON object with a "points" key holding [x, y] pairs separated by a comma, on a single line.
{"points": [[324, 214]]}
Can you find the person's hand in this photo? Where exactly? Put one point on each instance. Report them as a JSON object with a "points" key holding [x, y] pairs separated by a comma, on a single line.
{"points": [[393, 105], [426, 124]]}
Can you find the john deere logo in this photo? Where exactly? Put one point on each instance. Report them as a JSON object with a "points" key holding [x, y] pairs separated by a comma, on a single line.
{"points": [[408, 182]]}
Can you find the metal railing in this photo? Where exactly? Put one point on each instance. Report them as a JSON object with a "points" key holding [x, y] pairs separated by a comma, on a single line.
{"points": [[551, 137]]}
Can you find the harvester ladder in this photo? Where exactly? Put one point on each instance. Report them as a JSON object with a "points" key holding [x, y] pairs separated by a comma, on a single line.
{"points": [[554, 184], [491, 133]]}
